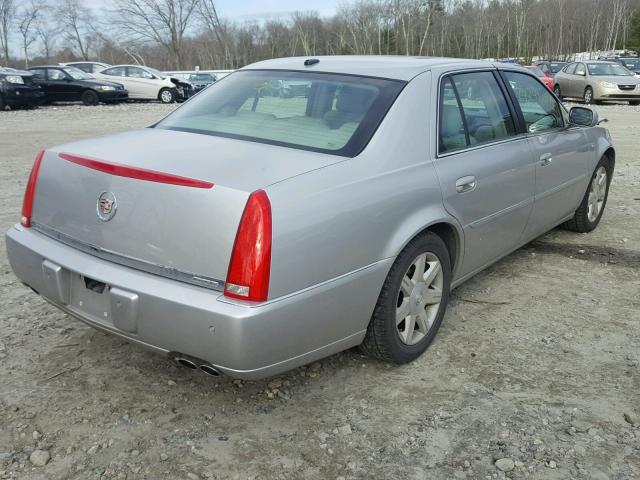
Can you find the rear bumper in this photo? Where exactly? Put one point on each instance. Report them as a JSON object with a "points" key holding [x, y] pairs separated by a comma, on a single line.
{"points": [[241, 340]]}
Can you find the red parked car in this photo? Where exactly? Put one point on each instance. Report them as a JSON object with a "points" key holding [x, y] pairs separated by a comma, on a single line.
{"points": [[548, 81]]}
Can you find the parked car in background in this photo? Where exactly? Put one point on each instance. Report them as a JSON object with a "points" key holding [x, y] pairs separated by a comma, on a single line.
{"points": [[596, 81], [249, 232], [630, 63], [199, 80], [87, 67], [548, 81], [68, 84], [145, 83], [18, 90], [550, 67]]}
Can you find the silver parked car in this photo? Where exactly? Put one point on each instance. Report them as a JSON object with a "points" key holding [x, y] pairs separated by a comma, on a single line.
{"points": [[251, 231], [597, 81]]}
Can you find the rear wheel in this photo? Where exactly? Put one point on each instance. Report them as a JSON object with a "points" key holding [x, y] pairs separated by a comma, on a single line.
{"points": [[412, 302], [591, 208], [89, 97], [167, 95], [556, 90], [588, 96]]}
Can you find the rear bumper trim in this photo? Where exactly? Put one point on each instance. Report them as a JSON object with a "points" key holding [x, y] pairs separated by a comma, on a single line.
{"points": [[142, 265]]}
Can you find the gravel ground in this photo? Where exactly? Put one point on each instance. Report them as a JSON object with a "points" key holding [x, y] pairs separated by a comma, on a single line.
{"points": [[535, 372]]}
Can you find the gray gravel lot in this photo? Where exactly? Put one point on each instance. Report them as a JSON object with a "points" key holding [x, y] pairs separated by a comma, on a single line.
{"points": [[535, 372]]}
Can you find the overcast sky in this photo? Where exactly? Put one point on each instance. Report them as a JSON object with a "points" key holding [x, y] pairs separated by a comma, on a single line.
{"points": [[258, 9]]}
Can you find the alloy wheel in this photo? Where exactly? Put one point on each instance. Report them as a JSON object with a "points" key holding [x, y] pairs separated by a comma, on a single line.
{"points": [[597, 194], [419, 298], [166, 96]]}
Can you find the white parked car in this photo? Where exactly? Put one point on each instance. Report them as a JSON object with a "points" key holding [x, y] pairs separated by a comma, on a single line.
{"points": [[145, 83]]}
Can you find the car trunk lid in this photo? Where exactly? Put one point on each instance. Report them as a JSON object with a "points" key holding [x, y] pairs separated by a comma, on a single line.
{"points": [[157, 200]]}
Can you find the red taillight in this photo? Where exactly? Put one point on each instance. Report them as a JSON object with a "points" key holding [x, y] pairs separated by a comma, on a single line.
{"points": [[250, 266], [30, 192]]}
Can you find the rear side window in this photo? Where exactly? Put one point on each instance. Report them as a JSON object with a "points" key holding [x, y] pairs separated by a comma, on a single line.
{"points": [[321, 112], [580, 70], [539, 107], [114, 72], [473, 111], [571, 68]]}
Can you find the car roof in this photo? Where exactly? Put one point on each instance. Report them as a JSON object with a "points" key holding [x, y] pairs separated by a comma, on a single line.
{"points": [[385, 66]]}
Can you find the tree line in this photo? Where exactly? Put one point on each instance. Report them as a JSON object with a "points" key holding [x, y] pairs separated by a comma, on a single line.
{"points": [[176, 34]]}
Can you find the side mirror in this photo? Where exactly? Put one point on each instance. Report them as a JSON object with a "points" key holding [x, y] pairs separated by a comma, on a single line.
{"points": [[584, 117]]}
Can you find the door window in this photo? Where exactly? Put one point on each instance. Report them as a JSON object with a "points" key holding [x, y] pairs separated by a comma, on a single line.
{"points": [[114, 72], [39, 73], [570, 69], [135, 72], [55, 74], [539, 107], [580, 70], [473, 111]]}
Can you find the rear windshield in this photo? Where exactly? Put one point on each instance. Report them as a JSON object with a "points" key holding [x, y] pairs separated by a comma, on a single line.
{"points": [[556, 67], [321, 112]]}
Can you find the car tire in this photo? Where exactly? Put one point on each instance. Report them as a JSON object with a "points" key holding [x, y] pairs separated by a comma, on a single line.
{"points": [[557, 91], [90, 98], [167, 95], [588, 96], [401, 341], [588, 215]]}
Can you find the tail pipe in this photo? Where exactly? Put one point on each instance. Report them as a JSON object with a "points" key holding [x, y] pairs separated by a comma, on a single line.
{"points": [[193, 363]]}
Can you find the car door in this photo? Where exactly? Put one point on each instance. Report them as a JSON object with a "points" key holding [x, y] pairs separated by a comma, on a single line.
{"points": [[484, 165], [119, 75], [143, 82], [64, 88], [566, 80], [580, 80], [562, 152]]}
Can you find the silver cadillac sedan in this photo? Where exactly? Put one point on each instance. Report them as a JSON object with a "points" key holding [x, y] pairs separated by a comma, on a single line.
{"points": [[303, 206]]}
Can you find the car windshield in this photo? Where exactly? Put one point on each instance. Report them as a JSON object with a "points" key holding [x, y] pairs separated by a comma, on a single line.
{"points": [[536, 71], [77, 74], [608, 69], [311, 111], [556, 67], [157, 73]]}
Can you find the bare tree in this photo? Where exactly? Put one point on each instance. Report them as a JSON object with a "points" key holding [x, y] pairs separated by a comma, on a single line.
{"points": [[77, 22], [7, 14], [164, 22], [27, 18]]}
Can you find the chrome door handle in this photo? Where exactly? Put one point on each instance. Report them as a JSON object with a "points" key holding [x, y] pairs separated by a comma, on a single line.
{"points": [[465, 184], [546, 159]]}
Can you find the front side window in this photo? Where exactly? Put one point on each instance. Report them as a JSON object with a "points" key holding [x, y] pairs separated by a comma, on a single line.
{"points": [[481, 109], [39, 73], [136, 72], [85, 67], [608, 69], [56, 74], [329, 113], [539, 107]]}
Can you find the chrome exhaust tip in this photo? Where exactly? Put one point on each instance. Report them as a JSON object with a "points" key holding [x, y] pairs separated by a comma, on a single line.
{"points": [[210, 370], [185, 362]]}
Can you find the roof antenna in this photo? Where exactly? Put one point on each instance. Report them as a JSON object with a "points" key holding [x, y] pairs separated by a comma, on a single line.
{"points": [[311, 61]]}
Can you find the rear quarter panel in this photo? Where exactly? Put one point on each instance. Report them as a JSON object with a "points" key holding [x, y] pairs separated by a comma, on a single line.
{"points": [[344, 217]]}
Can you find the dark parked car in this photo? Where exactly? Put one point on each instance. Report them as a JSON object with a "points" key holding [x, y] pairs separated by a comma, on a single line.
{"points": [[68, 84], [630, 63], [549, 67], [17, 89]]}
